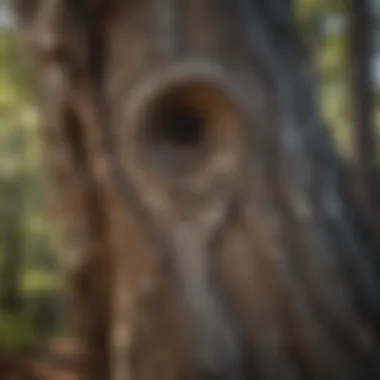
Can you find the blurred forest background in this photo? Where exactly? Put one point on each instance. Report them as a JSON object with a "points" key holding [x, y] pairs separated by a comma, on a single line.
{"points": [[32, 287]]}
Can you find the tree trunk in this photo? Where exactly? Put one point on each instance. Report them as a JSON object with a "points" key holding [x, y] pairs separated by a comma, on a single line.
{"points": [[13, 233], [211, 231], [360, 57]]}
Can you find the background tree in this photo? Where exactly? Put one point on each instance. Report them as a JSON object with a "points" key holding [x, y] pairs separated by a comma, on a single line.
{"points": [[31, 302]]}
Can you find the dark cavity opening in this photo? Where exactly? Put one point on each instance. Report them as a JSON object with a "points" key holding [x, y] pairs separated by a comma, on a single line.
{"points": [[185, 124], [179, 126]]}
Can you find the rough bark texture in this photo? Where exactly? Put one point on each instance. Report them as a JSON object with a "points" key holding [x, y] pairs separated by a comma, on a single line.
{"points": [[236, 252]]}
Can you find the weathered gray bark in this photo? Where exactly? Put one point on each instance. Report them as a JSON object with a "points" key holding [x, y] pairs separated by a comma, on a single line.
{"points": [[233, 251]]}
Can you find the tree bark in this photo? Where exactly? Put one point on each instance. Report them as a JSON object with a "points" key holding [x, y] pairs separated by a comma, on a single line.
{"points": [[232, 249]]}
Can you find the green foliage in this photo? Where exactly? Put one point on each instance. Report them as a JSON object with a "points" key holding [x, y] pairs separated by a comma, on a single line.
{"points": [[41, 286], [330, 53], [16, 332], [37, 280]]}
